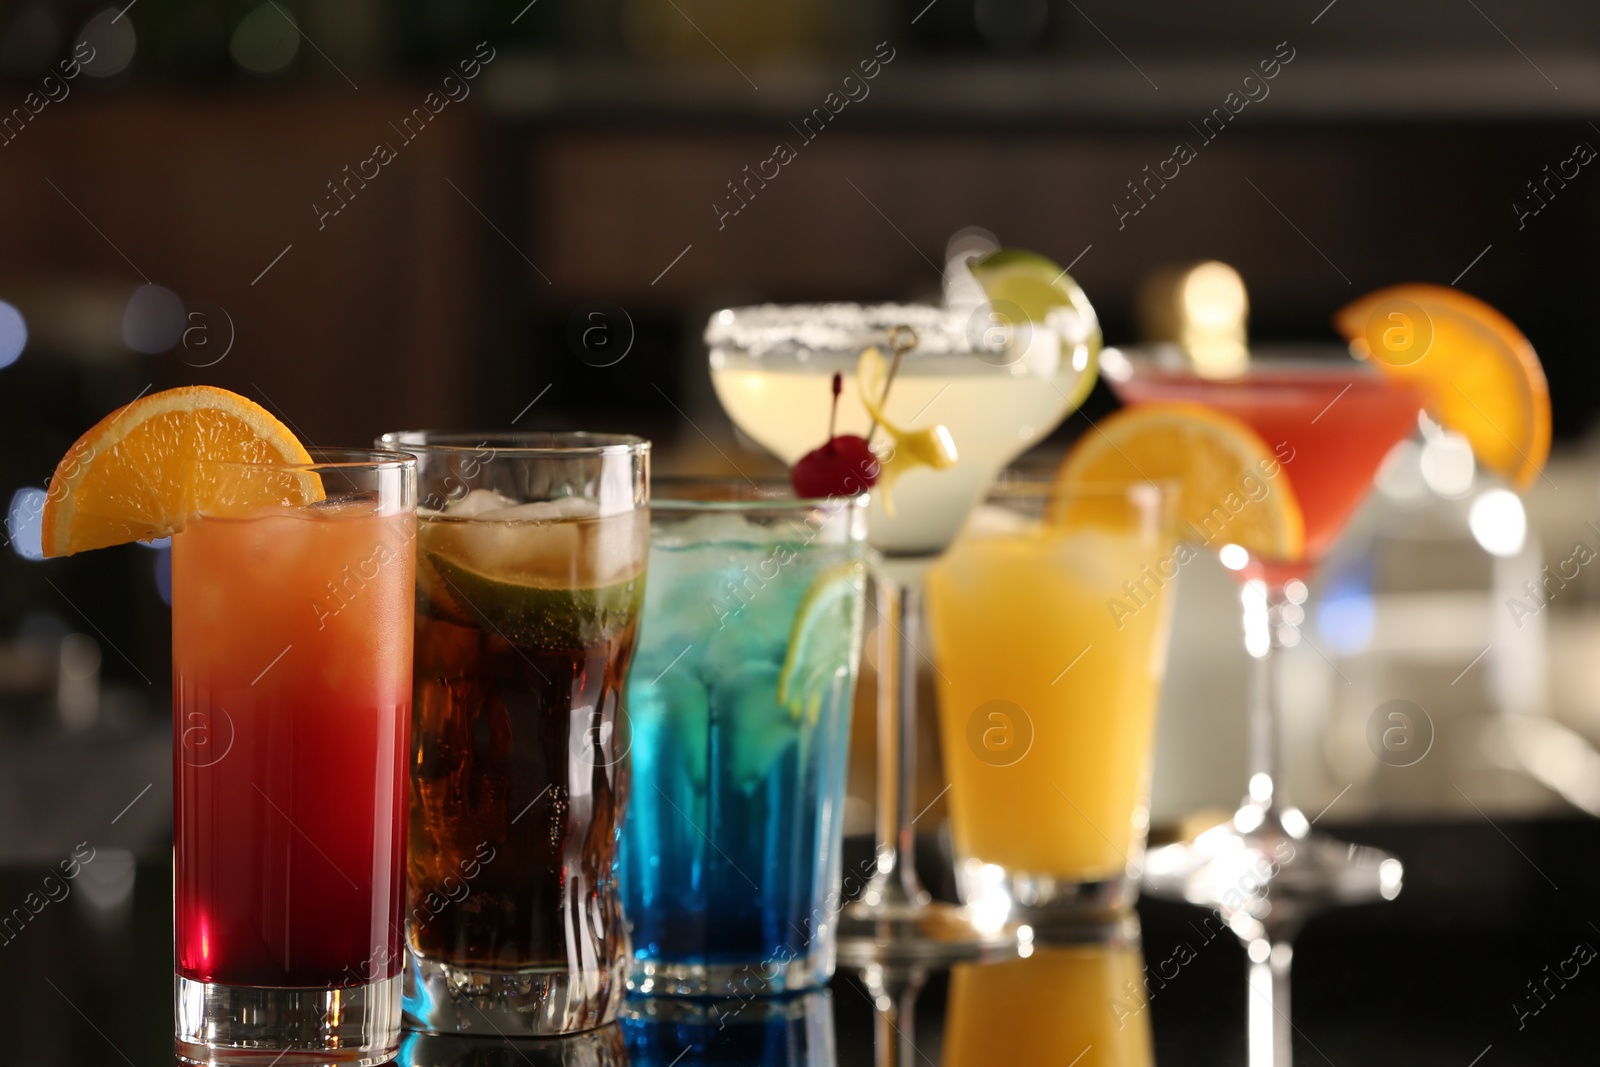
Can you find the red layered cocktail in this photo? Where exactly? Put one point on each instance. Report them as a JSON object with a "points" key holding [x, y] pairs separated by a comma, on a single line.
{"points": [[292, 692]]}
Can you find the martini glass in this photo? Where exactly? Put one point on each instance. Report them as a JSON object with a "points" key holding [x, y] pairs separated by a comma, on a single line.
{"points": [[1330, 421], [997, 390]]}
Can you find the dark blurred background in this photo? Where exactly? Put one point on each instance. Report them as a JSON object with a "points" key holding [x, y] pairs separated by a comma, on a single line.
{"points": [[378, 214], [369, 215], [205, 146]]}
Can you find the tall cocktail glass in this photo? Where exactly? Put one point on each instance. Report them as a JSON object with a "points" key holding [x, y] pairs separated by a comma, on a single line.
{"points": [[1047, 699], [291, 649], [740, 703], [998, 392], [530, 575]]}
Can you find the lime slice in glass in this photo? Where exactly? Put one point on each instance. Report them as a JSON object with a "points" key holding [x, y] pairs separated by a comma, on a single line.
{"points": [[1024, 283], [824, 640], [549, 619]]}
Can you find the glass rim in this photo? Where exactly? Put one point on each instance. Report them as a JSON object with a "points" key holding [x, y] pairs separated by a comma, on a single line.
{"points": [[325, 459], [517, 443], [1159, 361], [1027, 485], [745, 495], [840, 326]]}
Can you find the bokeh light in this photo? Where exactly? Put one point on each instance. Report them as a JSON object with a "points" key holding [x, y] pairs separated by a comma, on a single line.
{"points": [[1347, 618], [1447, 464], [153, 321], [164, 573], [1400, 477], [13, 334], [265, 41], [111, 35], [24, 522], [1498, 522]]}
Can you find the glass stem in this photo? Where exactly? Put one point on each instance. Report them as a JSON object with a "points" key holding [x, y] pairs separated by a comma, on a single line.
{"points": [[899, 610], [906, 832], [1265, 607], [894, 998], [1271, 1040], [888, 787]]}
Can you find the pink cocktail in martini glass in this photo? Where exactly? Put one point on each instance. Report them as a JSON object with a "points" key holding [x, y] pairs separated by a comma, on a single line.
{"points": [[1332, 423], [1336, 418]]}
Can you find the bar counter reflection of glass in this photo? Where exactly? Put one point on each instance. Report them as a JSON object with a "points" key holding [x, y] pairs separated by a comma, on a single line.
{"points": [[1083, 1004]]}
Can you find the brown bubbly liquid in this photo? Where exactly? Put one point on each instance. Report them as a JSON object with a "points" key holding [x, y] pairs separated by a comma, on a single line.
{"points": [[518, 782]]}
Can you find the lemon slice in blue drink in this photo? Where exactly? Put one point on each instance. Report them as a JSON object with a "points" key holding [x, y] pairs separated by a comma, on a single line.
{"points": [[1022, 283], [824, 639]]}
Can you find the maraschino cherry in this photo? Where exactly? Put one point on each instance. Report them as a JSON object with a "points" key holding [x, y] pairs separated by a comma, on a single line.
{"points": [[845, 466]]}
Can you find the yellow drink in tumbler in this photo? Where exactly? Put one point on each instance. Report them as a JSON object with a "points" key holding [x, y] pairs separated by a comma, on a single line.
{"points": [[1049, 675], [1076, 1001]]}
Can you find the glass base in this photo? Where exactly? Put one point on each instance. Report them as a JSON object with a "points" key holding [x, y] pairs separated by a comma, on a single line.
{"points": [[295, 1027], [906, 932], [1266, 872], [1045, 902], [758, 978], [441, 998], [605, 1047]]}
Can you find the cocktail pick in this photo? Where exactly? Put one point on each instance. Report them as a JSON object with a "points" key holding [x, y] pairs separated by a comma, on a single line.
{"points": [[908, 449]]}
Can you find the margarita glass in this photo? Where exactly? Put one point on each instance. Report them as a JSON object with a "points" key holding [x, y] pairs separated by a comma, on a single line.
{"points": [[998, 391]]}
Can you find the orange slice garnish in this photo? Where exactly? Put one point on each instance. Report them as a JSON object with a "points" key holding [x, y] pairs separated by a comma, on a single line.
{"points": [[1479, 375], [1229, 484], [135, 477]]}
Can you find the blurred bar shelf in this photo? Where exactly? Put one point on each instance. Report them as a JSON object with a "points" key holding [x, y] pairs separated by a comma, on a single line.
{"points": [[1065, 91]]}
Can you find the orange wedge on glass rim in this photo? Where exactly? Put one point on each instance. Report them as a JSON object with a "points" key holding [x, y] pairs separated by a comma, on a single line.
{"points": [[1227, 480], [137, 474], [1478, 374]]}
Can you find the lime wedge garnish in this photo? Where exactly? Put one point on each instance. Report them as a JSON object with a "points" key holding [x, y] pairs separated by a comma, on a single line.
{"points": [[824, 640], [1045, 294], [551, 619]]}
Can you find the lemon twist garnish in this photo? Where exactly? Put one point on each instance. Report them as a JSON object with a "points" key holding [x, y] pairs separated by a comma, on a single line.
{"points": [[906, 450]]}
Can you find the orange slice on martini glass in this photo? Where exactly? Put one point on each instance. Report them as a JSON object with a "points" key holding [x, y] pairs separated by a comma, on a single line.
{"points": [[1478, 374]]}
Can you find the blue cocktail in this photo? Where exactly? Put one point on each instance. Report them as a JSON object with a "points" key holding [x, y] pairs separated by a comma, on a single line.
{"points": [[740, 710]]}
